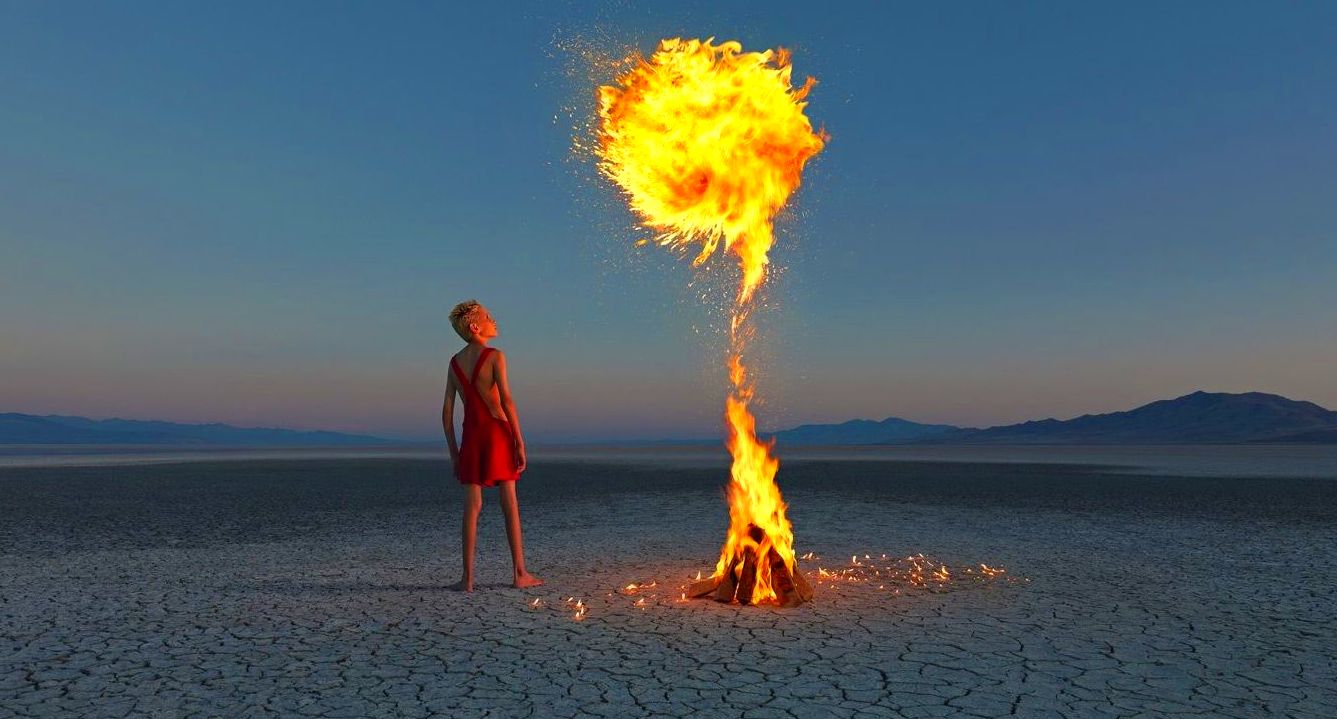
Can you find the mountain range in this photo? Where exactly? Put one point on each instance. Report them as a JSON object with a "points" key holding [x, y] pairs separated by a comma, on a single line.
{"points": [[1197, 418], [18, 428]]}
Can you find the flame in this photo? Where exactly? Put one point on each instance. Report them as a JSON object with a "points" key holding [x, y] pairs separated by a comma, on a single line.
{"points": [[634, 588], [707, 143]]}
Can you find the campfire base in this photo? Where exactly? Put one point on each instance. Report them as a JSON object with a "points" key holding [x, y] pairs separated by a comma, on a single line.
{"points": [[790, 587]]}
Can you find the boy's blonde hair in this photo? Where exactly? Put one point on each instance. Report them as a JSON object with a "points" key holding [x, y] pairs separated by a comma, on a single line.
{"points": [[463, 314]]}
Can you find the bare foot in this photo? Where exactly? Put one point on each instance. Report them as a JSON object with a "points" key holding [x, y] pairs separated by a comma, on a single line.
{"points": [[461, 586], [526, 580]]}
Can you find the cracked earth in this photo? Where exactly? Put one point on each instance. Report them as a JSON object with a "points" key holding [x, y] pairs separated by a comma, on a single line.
{"points": [[317, 588]]}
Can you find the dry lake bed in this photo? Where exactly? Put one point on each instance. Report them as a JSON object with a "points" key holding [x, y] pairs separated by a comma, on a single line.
{"points": [[317, 587]]}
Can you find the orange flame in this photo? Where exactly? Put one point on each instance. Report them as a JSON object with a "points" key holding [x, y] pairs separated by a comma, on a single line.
{"points": [[707, 143]]}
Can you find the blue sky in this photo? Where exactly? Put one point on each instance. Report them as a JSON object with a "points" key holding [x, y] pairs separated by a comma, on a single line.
{"points": [[261, 213]]}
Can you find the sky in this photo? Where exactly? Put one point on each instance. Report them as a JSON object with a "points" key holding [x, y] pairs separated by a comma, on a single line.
{"points": [[261, 213]]}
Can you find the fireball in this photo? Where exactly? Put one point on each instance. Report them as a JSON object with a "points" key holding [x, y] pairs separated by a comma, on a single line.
{"points": [[707, 143]]}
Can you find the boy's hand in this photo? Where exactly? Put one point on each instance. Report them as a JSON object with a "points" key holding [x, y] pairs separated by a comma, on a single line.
{"points": [[520, 459]]}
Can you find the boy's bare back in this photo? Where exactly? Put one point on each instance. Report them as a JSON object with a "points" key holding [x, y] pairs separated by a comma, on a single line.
{"points": [[493, 367]]}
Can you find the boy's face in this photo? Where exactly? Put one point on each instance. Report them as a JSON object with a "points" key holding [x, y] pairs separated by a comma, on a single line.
{"points": [[483, 325]]}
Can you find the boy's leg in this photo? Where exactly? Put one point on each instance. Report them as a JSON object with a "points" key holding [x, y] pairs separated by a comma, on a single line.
{"points": [[511, 509], [473, 505]]}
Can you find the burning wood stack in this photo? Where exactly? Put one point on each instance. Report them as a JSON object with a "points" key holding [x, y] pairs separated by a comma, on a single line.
{"points": [[707, 143], [757, 566]]}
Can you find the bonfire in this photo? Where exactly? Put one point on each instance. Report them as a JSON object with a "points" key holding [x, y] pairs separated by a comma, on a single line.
{"points": [[707, 143]]}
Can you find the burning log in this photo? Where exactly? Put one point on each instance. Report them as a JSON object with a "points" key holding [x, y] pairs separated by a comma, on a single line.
{"points": [[728, 584], [782, 580], [801, 587], [747, 583], [791, 589], [702, 587]]}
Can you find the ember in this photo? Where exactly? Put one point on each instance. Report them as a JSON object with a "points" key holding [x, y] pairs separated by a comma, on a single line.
{"points": [[912, 572], [707, 143]]}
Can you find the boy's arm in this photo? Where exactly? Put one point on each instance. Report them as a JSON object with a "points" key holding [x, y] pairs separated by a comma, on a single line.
{"points": [[508, 407], [448, 421]]}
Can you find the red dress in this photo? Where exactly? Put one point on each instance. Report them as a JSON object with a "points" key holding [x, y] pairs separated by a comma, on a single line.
{"points": [[487, 448]]}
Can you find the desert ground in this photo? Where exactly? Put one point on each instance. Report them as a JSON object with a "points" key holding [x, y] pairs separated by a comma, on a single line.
{"points": [[318, 588]]}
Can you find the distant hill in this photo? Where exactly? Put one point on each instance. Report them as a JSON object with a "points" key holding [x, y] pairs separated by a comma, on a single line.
{"points": [[891, 430], [18, 428], [1201, 417], [1197, 418]]}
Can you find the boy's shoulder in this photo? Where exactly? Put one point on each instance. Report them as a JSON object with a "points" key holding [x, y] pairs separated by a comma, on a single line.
{"points": [[491, 352]]}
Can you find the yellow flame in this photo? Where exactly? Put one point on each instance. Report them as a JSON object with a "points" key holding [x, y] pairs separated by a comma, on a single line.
{"points": [[707, 143]]}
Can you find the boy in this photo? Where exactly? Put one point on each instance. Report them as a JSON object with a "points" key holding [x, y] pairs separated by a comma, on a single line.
{"points": [[492, 450]]}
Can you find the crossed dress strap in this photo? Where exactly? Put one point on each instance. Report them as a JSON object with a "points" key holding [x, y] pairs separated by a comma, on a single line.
{"points": [[478, 365]]}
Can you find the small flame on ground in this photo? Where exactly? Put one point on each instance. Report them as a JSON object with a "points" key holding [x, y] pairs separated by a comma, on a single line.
{"points": [[915, 570], [634, 588]]}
